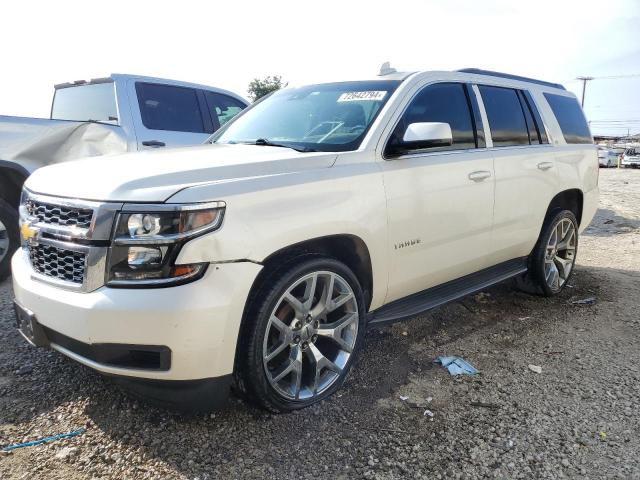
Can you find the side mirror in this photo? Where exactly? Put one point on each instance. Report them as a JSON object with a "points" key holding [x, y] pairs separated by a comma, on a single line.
{"points": [[427, 134]]}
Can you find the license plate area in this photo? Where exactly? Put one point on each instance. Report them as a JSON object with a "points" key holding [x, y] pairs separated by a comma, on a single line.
{"points": [[29, 327]]}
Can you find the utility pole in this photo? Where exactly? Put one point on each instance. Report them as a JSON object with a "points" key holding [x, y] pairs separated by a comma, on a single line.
{"points": [[584, 86]]}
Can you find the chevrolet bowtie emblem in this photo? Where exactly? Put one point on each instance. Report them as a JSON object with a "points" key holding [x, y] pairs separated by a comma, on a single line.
{"points": [[28, 232]]}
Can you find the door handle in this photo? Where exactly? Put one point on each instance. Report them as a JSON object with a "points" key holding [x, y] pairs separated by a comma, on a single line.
{"points": [[479, 175], [545, 165], [153, 143]]}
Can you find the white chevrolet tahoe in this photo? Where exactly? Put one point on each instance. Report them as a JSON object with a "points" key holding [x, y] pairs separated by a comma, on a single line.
{"points": [[261, 259]]}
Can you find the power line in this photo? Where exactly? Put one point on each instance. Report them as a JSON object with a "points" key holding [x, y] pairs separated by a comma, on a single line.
{"points": [[610, 77]]}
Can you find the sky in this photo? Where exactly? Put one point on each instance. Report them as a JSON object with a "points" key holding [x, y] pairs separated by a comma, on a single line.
{"points": [[227, 44]]}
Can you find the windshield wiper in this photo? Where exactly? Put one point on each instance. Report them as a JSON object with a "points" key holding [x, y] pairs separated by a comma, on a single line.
{"points": [[268, 143]]}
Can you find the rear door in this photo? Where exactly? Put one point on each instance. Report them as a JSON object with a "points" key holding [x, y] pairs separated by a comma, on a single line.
{"points": [[169, 115], [525, 171], [440, 199]]}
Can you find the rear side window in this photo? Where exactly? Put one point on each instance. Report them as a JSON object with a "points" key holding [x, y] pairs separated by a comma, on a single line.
{"points": [[442, 102], [223, 107], [570, 118], [506, 116], [167, 107]]}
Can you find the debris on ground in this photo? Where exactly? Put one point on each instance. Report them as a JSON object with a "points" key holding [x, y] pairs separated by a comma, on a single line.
{"points": [[428, 413], [52, 438], [66, 452], [456, 365], [481, 297], [585, 301], [24, 370], [403, 398], [535, 368]]}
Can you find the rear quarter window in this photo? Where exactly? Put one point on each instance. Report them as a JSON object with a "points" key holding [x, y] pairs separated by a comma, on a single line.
{"points": [[570, 118]]}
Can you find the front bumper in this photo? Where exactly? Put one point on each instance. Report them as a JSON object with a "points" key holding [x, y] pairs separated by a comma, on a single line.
{"points": [[198, 322]]}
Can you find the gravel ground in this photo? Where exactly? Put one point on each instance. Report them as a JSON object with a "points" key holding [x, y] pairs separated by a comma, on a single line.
{"points": [[578, 418]]}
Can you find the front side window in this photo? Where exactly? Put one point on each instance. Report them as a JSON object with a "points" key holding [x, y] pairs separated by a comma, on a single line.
{"points": [[332, 117], [442, 102], [223, 107], [506, 117], [167, 107], [570, 118], [88, 102]]}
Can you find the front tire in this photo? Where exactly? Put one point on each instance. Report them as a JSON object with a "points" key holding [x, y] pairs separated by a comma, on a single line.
{"points": [[9, 237], [301, 334], [552, 260]]}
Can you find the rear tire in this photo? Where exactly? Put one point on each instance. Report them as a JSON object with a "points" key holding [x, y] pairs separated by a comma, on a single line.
{"points": [[552, 261], [301, 334], [9, 237]]}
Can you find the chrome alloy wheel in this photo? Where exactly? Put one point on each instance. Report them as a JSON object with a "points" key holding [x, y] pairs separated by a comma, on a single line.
{"points": [[310, 336], [4, 241], [560, 254]]}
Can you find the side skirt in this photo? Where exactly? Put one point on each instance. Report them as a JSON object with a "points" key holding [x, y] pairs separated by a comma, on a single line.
{"points": [[408, 307]]}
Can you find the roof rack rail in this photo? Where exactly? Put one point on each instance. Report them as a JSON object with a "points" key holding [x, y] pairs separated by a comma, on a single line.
{"points": [[479, 71]]}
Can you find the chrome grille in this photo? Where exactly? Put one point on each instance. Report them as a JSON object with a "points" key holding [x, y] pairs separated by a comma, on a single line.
{"points": [[65, 240], [60, 215], [58, 263]]}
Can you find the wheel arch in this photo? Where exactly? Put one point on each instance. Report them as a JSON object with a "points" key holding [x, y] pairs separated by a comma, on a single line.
{"points": [[12, 177], [571, 199], [347, 248]]}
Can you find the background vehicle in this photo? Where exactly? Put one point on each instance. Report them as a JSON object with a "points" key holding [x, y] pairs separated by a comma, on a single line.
{"points": [[316, 213], [631, 157], [121, 113], [607, 157]]}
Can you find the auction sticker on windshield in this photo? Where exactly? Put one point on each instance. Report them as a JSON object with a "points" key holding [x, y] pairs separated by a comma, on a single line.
{"points": [[375, 95]]}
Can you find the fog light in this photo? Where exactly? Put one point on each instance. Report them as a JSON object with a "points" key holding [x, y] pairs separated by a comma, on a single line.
{"points": [[144, 256]]}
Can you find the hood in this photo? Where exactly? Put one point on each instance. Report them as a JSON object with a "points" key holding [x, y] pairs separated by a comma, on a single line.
{"points": [[155, 175]]}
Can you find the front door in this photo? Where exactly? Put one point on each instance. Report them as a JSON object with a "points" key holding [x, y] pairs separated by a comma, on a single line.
{"points": [[439, 200]]}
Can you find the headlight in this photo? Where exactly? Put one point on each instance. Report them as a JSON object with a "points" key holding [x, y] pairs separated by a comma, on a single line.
{"points": [[148, 238]]}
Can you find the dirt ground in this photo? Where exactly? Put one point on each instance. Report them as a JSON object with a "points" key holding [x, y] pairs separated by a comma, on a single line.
{"points": [[398, 415]]}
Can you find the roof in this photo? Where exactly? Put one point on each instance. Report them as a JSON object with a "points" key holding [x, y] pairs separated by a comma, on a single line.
{"points": [[142, 78], [393, 75], [490, 73]]}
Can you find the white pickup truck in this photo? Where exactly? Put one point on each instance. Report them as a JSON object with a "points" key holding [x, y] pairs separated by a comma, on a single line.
{"points": [[317, 212], [106, 116]]}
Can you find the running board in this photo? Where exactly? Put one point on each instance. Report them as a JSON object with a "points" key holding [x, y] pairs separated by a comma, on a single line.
{"points": [[420, 302]]}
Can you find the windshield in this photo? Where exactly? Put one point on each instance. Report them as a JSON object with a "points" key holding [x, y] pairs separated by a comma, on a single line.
{"points": [[331, 118], [93, 101]]}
